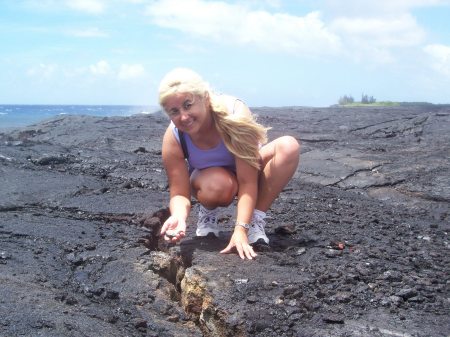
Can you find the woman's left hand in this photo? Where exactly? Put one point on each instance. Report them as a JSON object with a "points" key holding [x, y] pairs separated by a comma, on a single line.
{"points": [[239, 241]]}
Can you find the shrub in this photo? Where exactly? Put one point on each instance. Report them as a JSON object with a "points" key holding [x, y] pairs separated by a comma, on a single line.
{"points": [[346, 100], [365, 99]]}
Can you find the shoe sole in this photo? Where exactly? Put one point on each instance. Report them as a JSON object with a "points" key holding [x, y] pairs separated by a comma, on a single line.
{"points": [[209, 235]]}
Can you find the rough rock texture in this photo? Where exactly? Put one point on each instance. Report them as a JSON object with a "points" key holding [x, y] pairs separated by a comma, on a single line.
{"points": [[359, 238]]}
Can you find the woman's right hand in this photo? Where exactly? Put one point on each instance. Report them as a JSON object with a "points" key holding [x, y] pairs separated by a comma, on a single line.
{"points": [[173, 229]]}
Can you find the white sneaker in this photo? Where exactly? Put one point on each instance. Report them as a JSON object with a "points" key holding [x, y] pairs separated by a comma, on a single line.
{"points": [[256, 230], [207, 221]]}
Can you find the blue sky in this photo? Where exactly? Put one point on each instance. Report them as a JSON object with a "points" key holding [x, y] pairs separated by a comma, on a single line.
{"points": [[269, 53]]}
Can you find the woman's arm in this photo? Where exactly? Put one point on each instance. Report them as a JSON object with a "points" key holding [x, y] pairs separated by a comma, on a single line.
{"points": [[247, 177], [179, 186]]}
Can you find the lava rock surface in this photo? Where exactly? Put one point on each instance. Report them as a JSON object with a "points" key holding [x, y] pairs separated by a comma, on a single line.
{"points": [[359, 242]]}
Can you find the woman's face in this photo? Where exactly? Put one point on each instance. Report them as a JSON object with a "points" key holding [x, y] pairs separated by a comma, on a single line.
{"points": [[187, 111]]}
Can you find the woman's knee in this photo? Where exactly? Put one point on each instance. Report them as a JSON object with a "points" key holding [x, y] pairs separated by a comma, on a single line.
{"points": [[289, 148], [214, 186]]}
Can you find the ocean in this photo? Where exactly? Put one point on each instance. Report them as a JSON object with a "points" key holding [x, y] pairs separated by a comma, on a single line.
{"points": [[12, 116]]}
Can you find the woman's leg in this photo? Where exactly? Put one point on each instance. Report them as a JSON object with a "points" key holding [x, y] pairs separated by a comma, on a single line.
{"points": [[214, 187], [280, 160]]}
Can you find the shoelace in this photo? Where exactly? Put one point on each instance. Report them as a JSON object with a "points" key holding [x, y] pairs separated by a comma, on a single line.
{"points": [[259, 223], [208, 219]]}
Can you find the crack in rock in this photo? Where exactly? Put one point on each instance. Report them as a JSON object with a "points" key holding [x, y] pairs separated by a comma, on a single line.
{"points": [[196, 301], [394, 128]]}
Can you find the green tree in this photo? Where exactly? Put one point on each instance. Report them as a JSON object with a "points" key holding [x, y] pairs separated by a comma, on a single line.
{"points": [[346, 100], [365, 99]]}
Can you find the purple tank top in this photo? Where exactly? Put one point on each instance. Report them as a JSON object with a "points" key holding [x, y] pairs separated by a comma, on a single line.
{"points": [[217, 156], [200, 159]]}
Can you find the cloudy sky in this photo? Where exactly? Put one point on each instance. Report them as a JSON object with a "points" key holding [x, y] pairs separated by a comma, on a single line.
{"points": [[269, 53]]}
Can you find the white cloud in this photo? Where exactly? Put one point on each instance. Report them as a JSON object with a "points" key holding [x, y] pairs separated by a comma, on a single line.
{"points": [[88, 6], [440, 57], [237, 24], [370, 8], [88, 32], [379, 31], [130, 71], [42, 70], [399, 31], [377, 38], [100, 68]]}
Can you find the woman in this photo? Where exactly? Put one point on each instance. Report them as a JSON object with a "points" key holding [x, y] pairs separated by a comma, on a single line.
{"points": [[226, 158]]}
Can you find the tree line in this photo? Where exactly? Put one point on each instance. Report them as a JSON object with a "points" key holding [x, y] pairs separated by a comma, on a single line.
{"points": [[365, 99]]}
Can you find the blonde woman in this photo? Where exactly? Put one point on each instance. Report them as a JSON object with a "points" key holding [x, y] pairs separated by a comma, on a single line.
{"points": [[215, 151]]}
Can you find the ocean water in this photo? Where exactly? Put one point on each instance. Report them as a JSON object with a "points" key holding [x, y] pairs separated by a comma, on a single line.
{"points": [[12, 116]]}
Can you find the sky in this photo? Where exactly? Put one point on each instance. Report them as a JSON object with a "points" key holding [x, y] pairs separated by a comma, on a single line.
{"points": [[268, 53]]}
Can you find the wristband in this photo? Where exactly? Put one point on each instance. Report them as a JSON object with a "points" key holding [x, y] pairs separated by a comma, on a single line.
{"points": [[242, 224]]}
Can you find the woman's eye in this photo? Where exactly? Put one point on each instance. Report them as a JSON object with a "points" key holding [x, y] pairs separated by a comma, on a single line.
{"points": [[187, 105], [173, 113]]}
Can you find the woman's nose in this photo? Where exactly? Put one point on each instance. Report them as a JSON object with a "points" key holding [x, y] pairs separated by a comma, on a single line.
{"points": [[184, 114]]}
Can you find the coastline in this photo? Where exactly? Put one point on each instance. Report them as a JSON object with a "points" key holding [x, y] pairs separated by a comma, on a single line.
{"points": [[22, 115]]}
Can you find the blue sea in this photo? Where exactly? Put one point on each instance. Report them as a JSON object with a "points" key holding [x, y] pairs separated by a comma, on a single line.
{"points": [[12, 116]]}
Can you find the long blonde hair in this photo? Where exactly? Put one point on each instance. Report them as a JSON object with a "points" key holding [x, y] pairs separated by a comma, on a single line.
{"points": [[242, 135]]}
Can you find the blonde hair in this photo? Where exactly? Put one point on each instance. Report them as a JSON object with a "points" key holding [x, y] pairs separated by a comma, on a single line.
{"points": [[242, 135]]}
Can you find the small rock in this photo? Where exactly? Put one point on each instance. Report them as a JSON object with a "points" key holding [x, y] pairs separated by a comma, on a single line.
{"points": [[292, 303], [395, 300], [241, 281], [140, 323], [173, 318], [332, 253], [127, 185], [406, 293], [4, 256], [416, 299], [295, 317], [140, 149], [342, 297], [287, 229], [91, 246], [333, 319], [150, 222], [391, 300], [74, 259], [51, 160], [112, 294], [252, 299], [71, 300], [391, 275], [337, 245], [301, 251]]}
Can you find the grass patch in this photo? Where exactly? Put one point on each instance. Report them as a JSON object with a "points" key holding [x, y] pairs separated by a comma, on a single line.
{"points": [[383, 103]]}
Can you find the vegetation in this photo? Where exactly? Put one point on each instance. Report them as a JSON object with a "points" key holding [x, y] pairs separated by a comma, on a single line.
{"points": [[366, 100], [345, 100], [381, 103]]}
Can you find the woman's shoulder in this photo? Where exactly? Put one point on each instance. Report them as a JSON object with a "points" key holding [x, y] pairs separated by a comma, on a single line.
{"points": [[230, 102], [174, 130]]}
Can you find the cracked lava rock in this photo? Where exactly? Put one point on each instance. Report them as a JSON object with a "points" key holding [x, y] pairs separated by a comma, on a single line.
{"points": [[359, 237]]}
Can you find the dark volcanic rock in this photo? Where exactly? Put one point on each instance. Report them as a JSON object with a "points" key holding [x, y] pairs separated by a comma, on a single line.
{"points": [[359, 238]]}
